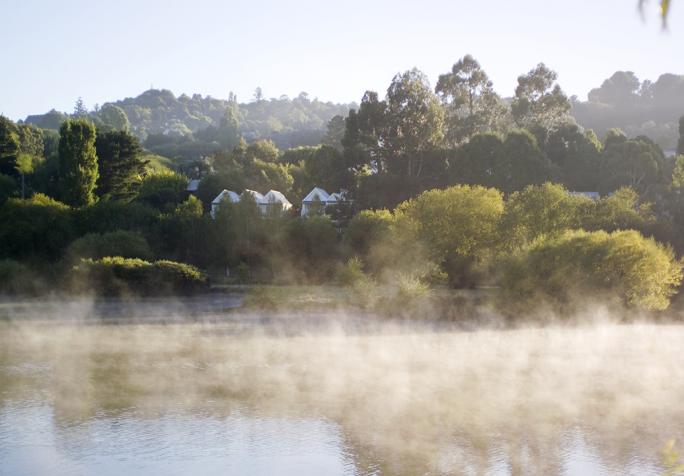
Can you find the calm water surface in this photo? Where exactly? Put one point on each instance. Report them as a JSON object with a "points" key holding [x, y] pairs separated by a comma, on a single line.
{"points": [[210, 398]]}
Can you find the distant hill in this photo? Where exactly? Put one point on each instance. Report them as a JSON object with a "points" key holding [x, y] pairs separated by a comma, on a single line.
{"points": [[288, 122], [637, 107]]}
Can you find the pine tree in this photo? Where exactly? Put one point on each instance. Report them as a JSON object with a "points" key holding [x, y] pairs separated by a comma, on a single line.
{"points": [[80, 109], [120, 164]]}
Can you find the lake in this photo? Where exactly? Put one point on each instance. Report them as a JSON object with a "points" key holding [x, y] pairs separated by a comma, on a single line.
{"points": [[295, 394]]}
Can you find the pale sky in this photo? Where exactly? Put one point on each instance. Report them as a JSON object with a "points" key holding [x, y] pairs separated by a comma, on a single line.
{"points": [[55, 51]]}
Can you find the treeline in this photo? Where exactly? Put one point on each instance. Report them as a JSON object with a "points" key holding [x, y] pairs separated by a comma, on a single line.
{"points": [[542, 245], [452, 183], [189, 127], [646, 107]]}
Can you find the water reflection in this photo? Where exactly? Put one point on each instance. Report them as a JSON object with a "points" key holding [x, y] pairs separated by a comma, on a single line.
{"points": [[196, 398]]}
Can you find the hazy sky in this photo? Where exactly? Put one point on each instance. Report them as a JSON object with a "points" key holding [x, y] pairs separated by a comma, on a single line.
{"points": [[55, 51]]}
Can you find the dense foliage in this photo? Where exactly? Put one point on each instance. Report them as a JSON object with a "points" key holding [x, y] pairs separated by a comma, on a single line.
{"points": [[451, 186], [577, 266], [194, 125], [116, 276]]}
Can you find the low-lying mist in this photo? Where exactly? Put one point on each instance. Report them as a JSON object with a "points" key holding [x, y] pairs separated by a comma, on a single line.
{"points": [[409, 398]]}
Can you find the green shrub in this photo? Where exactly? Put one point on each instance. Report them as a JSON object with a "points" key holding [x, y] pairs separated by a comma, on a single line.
{"points": [[578, 265], [37, 228], [126, 244], [540, 210], [163, 190], [111, 215], [17, 278], [112, 276], [368, 236], [312, 247], [351, 273], [8, 188], [457, 228]]}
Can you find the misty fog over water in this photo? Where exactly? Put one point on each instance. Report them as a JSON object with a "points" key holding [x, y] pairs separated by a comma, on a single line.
{"points": [[238, 396]]}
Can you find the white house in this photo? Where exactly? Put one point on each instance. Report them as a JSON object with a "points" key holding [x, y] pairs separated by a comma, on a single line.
{"points": [[273, 199], [229, 195], [276, 198], [324, 198]]}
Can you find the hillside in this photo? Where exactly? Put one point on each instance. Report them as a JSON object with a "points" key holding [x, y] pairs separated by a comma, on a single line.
{"points": [[637, 107], [288, 122]]}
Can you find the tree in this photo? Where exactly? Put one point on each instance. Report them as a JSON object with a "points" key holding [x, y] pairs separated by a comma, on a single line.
{"points": [[575, 154], [121, 166], [312, 247], [458, 227], [540, 210], [9, 146], [334, 132], [78, 169], [40, 228], [264, 150], [621, 89], [8, 188], [368, 237], [415, 120], [163, 190], [80, 109], [326, 168], [640, 272], [113, 118], [481, 161], [258, 94], [622, 210], [680, 142], [528, 165], [470, 101], [539, 99], [678, 172], [633, 163], [123, 243], [362, 134], [31, 152]]}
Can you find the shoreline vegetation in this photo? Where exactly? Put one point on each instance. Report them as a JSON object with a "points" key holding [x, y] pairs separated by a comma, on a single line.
{"points": [[448, 201]]}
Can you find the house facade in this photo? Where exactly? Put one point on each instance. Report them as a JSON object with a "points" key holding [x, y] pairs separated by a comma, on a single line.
{"points": [[265, 203], [317, 199], [227, 195]]}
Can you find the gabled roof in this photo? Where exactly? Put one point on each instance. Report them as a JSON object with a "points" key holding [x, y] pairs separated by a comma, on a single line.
{"points": [[258, 198], [335, 197], [316, 192], [226, 195], [274, 196]]}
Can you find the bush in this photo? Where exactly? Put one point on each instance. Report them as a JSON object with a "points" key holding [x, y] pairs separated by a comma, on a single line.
{"points": [[37, 228], [540, 210], [458, 228], [108, 216], [163, 190], [311, 246], [114, 276], [8, 188], [368, 237], [351, 273], [17, 278], [620, 211], [577, 265], [126, 244]]}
